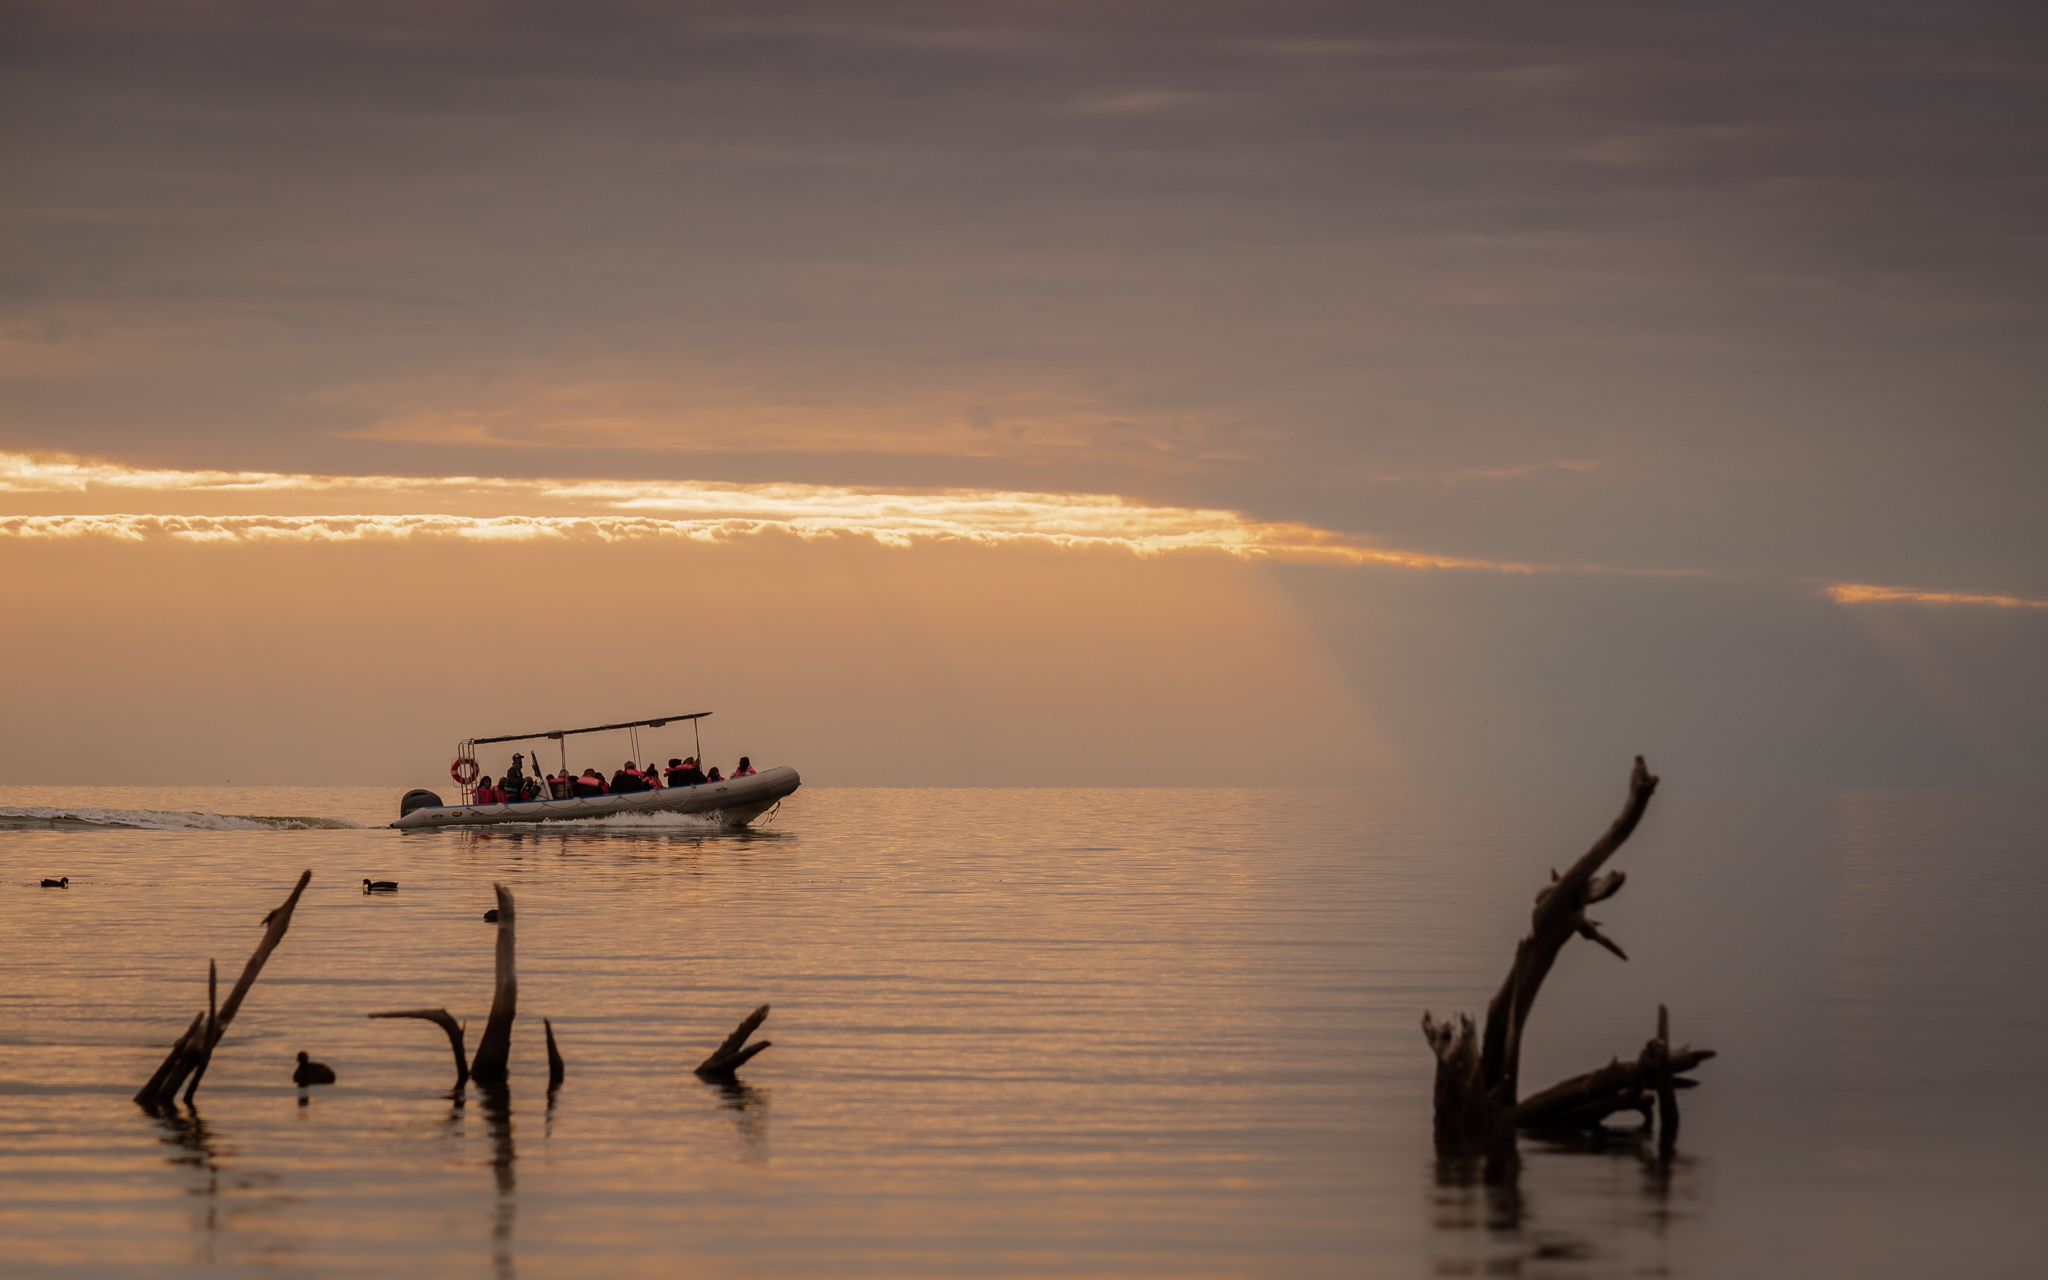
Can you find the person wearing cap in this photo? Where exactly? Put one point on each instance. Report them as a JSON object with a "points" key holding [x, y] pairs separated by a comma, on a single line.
{"points": [[514, 781]]}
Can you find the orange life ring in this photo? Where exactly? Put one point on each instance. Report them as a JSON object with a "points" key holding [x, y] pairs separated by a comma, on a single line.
{"points": [[464, 770]]}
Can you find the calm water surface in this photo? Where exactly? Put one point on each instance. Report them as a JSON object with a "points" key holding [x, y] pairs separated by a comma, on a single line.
{"points": [[1023, 1033]]}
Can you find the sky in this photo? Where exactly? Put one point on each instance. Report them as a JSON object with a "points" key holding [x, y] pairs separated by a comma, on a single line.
{"points": [[1029, 393]]}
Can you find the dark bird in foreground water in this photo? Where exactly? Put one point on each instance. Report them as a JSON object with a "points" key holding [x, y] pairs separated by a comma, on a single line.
{"points": [[312, 1072], [62, 883], [491, 916], [380, 886]]}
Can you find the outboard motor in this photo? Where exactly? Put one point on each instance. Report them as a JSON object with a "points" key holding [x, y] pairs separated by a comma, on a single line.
{"points": [[418, 798]]}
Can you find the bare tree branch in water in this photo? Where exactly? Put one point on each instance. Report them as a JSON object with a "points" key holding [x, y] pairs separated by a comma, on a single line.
{"points": [[441, 1018], [1477, 1076], [194, 1049], [490, 1065], [494, 1050], [734, 1053]]}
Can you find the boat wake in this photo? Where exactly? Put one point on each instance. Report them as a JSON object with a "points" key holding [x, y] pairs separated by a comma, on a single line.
{"points": [[86, 819], [640, 822]]}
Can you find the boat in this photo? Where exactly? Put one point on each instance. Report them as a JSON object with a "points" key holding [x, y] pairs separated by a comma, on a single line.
{"points": [[733, 802]]}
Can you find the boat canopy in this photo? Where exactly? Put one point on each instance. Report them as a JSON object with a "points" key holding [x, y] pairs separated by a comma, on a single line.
{"points": [[596, 728]]}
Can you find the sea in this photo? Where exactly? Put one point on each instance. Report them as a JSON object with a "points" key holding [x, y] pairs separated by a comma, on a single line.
{"points": [[1031, 1032]]}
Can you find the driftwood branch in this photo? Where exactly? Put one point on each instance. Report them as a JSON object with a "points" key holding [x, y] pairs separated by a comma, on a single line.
{"points": [[212, 1030], [494, 1049], [1559, 916], [149, 1093], [454, 1029], [556, 1069], [195, 1047], [1651, 1081], [1478, 1074], [734, 1053]]}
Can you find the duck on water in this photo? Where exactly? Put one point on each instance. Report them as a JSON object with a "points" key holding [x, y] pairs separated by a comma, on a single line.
{"points": [[734, 801]]}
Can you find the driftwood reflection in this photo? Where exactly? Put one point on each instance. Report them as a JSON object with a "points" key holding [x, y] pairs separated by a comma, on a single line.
{"points": [[497, 1104], [187, 1131], [1493, 1199], [749, 1108]]}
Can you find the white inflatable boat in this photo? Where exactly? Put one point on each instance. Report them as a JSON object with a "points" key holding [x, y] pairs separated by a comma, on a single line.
{"points": [[734, 802], [731, 802]]}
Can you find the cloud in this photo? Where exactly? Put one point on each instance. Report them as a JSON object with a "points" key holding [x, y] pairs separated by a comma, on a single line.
{"points": [[614, 510], [1862, 593], [499, 509]]}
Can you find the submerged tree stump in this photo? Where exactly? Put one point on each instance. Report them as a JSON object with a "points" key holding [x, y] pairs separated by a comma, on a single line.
{"points": [[493, 1052], [491, 1065], [556, 1068], [194, 1050], [1477, 1074], [734, 1053]]}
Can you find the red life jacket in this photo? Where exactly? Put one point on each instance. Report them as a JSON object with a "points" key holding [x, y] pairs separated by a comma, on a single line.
{"points": [[741, 773]]}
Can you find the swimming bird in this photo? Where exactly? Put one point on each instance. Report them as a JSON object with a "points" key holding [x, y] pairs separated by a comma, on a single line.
{"points": [[380, 886], [491, 916], [63, 883], [312, 1072]]}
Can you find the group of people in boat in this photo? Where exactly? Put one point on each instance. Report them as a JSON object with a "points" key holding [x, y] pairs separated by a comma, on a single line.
{"points": [[516, 788]]}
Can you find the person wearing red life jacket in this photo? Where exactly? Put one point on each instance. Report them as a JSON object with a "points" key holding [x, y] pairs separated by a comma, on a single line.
{"points": [[713, 775], [650, 778], [689, 775], [483, 793], [746, 768], [590, 783]]}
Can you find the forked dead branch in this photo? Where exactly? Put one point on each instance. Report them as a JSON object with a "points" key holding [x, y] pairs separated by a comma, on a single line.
{"points": [[494, 1050], [194, 1050], [490, 1066], [1478, 1104], [729, 1057]]}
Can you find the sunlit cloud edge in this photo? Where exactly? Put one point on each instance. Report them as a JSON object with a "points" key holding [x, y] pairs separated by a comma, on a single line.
{"points": [[716, 512], [1864, 593]]}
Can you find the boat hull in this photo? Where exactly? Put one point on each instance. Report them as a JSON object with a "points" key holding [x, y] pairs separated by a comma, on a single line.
{"points": [[734, 802]]}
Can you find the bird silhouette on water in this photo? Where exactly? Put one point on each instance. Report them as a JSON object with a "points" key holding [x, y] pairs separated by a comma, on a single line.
{"points": [[380, 886], [491, 916], [310, 1072], [62, 882]]}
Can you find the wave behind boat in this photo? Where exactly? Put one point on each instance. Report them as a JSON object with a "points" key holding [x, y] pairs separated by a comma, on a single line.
{"points": [[637, 822], [83, 818]]}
